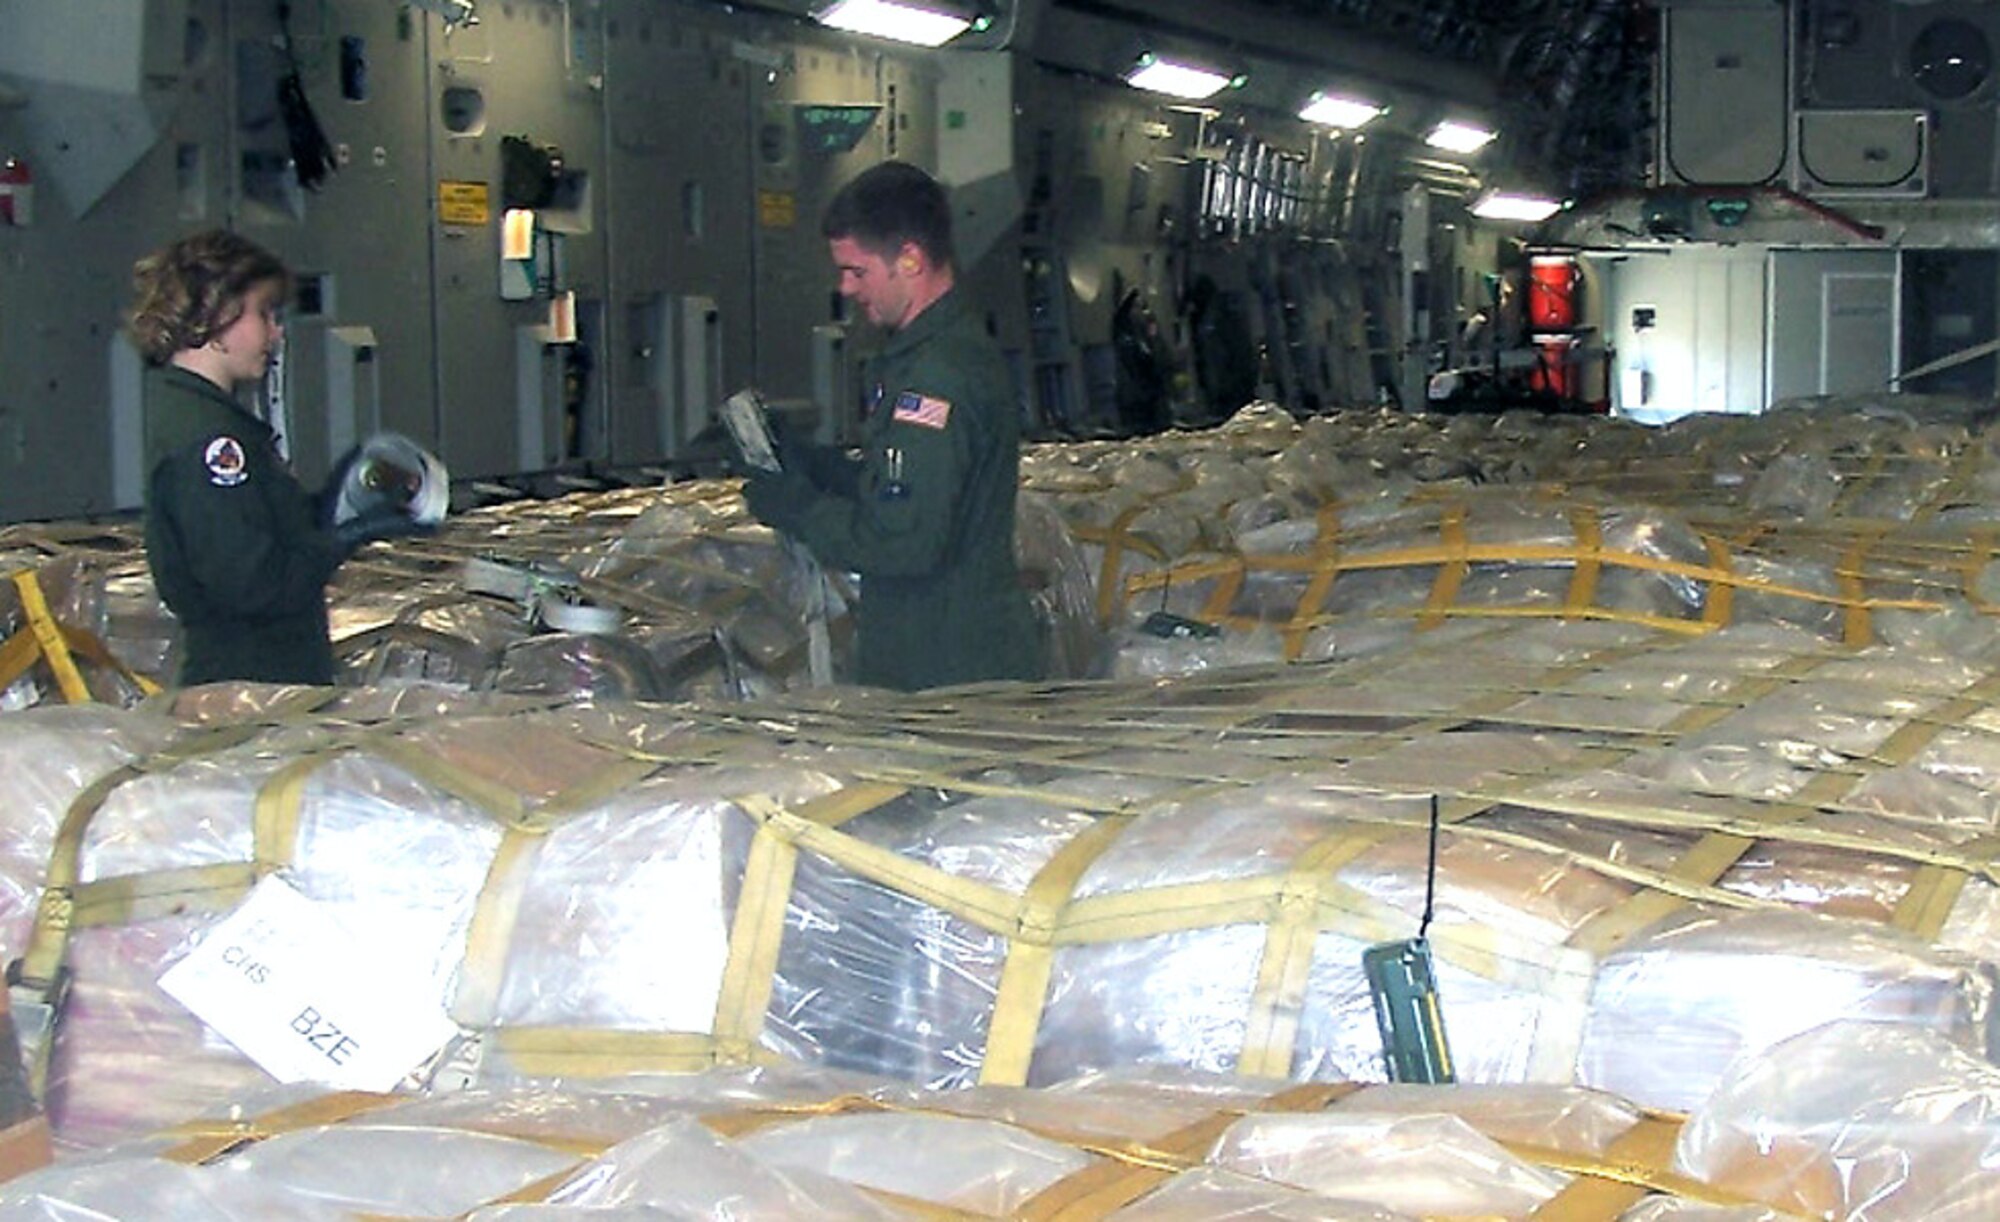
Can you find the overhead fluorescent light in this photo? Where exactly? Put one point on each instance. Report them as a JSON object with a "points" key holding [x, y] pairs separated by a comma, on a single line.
{"points": [[1175, 79], [895, 20], [1459, 137], [1509, 206], [1333, 110]]}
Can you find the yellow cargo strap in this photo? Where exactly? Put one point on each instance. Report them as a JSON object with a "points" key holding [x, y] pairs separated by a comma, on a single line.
{"points": [[49, 639], [202, 1141], [1637, 1165]]}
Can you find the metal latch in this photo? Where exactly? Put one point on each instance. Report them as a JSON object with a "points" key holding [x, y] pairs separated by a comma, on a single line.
{"points": [[37, 1006]]}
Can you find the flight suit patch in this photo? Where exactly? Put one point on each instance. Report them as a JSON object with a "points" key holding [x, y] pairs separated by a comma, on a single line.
{"points": [[922, 410], [225, 462]]}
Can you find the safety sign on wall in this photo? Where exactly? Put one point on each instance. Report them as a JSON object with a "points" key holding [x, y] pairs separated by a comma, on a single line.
{"points": [[464, 203]]}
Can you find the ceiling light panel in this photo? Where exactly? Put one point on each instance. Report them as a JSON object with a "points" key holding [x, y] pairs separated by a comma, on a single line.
{"points": [[1335, 110], [1175, 79], [1509, 206], [911, 23], [1456, 137]]}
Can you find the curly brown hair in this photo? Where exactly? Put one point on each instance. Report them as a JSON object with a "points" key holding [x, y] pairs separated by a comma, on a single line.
{"points": [[190, 291]]}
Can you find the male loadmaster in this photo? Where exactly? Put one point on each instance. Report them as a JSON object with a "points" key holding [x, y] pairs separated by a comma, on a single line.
{"points": [[926, 516]]}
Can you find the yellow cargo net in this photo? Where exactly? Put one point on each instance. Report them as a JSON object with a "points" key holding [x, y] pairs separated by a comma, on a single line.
{"points": [[1872, 566], [529, 774]]}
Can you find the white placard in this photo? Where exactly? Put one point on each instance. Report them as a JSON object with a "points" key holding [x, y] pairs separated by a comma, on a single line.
{"points": [[307, 999]]}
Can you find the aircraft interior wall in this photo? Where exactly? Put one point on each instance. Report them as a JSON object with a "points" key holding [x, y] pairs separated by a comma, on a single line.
{"points": [[677, 255], [1144, 263]]}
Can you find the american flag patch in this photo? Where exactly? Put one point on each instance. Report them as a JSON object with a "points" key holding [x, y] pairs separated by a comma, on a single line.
{"points": [[913, 408]]}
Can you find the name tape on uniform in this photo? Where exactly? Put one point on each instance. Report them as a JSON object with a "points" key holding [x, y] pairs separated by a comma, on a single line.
{"points": [[309, 999]]}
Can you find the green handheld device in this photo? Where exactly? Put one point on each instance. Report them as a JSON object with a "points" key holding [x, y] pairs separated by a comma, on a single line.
{"points": [[1404, 988], [1406, 1010]]}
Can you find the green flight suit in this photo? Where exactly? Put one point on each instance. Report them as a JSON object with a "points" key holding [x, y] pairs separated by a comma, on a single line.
{"points": [[232, 539], [927, 516]]}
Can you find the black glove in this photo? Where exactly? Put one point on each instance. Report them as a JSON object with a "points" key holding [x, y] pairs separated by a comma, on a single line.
{"points": [[369, 527], [329, 495], [826, 468], [778, 499], [792, 448]]}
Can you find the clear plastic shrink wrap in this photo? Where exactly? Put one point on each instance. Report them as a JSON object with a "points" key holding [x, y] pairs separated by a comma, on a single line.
{"points": [[421, 1172], [706, 604], [48, 756], [1419, 1165], [1182, 998], [785, 1145], [1855, 1121], [601, 887], [88, 593], [1211, 1195], [1062, 587], [388, 854], [1702, 991], [977, 1165], [131, 1189]]}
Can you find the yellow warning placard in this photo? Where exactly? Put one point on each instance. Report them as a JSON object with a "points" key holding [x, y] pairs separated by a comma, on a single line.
{"points": [[777, 209], [464, 203]]}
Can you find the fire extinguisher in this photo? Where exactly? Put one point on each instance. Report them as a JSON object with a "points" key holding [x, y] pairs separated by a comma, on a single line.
{"points": [[17, 193]]}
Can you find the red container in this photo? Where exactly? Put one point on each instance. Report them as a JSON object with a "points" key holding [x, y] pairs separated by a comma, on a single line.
{"points": [[1555, 371], [17, 193], [1552, 281]]}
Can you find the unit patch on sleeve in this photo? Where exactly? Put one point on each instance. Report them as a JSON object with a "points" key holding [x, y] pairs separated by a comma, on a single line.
{"points": [[913, 408], [224, 460]]}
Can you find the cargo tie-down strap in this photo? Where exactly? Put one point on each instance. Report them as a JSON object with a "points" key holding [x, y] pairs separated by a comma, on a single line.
{"points": [[45, 639]]}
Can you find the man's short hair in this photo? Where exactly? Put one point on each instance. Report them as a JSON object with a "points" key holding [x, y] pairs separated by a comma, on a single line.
{"points": [[890, 204]]}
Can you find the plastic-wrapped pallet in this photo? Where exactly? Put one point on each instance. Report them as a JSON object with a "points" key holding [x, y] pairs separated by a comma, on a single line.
{"points": [[786, 1145], [686, 598], [1694, 522], [1263, 524], [386, 851], [1016, 885], [1519, 999]]}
